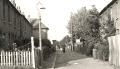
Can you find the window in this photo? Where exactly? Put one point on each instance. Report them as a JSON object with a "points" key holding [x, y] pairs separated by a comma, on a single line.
{"points": [[117, 31], [4, 9], [9, 14]]}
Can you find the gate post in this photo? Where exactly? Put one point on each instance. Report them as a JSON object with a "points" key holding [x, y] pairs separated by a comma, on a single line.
{"points": [[32, 52]]}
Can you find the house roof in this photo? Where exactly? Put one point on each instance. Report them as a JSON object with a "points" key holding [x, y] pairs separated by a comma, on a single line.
{"points": [[106, 7], [17, 11], [35, 23]]}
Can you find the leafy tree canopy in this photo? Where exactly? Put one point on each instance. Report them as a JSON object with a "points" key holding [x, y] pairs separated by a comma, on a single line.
{"points": [[85, 23]]}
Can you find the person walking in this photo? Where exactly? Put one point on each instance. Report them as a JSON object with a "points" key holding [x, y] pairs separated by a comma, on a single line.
{"points": [[63, 49]]}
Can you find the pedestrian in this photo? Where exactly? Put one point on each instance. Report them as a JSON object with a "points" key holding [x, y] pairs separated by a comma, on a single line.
{"points": [[63, 49]]}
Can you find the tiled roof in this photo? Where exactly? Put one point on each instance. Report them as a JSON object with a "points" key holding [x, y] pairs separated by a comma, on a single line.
{"points": [[105, 8], [35, 23]]}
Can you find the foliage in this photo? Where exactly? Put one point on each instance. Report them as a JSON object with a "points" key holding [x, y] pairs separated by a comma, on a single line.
{"points": [[107, 29], [65, 40], [3, 45], [48, 48], [24, 44], [102, 50], [85, 24], [45, 42], [36, 42], [47, 52], [107, 26], [3, 42]]}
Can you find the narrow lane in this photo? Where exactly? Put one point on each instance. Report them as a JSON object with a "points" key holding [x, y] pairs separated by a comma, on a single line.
{"points": [[73, 60]]}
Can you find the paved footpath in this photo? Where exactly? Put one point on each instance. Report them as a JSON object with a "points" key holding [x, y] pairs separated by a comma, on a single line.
{"points": [[73, 60]]}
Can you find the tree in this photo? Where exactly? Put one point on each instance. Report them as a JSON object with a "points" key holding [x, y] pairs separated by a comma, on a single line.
{"points": [[85, 24], [107, 26], [65, 40], [107, 29]]}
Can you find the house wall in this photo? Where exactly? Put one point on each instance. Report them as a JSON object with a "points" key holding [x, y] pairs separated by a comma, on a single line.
{"points": [[115, 14], [13, 25], [36, 33], [114, 11], [43, 33]]}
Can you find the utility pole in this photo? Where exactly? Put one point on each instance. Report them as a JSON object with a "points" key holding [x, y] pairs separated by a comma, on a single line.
{"points": [[72, 48], [40, 40]]}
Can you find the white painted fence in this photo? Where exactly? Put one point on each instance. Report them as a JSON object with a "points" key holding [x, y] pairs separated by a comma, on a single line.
{"points": [[21, 58], [114, 50], [17, 58]]}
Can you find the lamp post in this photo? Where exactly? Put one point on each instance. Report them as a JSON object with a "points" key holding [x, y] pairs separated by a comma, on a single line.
{"points": [[40, 40], [72, 47]]}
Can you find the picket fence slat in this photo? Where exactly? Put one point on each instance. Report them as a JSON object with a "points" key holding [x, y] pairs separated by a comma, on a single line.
{"points": [[29, 58], [16, 58]]}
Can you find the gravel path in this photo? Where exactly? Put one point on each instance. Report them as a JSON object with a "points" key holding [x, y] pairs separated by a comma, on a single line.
{"points": [[73, 60]]}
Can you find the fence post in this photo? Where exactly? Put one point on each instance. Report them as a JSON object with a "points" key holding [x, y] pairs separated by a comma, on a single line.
{"points": [[32, 54], [6, 58], [110, 52], [16, 57], [26, 58], [29, 58], [21, 58], [1, 59], [9, 58]]}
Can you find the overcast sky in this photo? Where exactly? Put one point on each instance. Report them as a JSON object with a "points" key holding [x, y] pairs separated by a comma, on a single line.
{"points": [[57, 12]]}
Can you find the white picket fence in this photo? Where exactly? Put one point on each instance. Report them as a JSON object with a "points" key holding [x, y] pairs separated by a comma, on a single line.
{"points": [[16, 58], [22, 58], [114, 50]]}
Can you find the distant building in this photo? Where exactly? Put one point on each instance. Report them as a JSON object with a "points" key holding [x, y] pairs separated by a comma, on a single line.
{"points": [[13, 25], [54, 42], [112, 9], [44, 29]]}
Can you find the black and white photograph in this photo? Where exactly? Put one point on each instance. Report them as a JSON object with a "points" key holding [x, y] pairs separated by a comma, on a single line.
{"points": [[59, 34]]}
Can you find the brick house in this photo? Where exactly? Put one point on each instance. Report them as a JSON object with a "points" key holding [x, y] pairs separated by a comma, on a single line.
{"points": [[44, 29]]}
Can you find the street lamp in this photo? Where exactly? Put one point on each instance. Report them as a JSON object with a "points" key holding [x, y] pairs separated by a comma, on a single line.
{"points": [[40, 40], [40, 43]]}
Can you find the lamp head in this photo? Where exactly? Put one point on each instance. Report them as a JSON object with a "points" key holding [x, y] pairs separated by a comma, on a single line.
{"points": [[42, 8]]}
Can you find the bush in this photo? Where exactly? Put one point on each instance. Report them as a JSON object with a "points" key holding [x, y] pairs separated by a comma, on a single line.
{"points": [[102, 50], [48, 49], [3, 44], [47, 52], [90, 48]]}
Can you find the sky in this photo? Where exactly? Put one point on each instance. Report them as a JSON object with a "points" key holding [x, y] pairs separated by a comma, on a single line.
{"points": [[57, 12]]}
